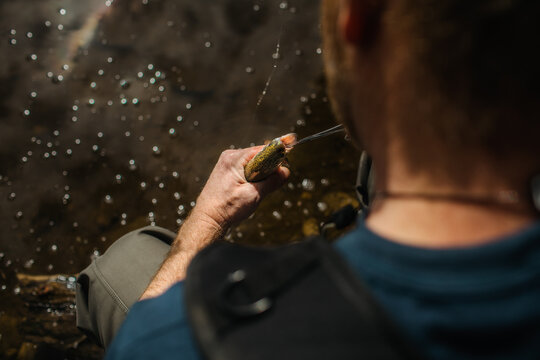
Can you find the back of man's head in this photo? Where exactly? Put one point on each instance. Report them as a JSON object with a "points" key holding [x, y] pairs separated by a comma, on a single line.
{"points": [[461, 73], [484, 58]]}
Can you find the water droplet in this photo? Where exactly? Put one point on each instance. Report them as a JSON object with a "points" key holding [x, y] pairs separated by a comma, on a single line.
{"points": [[318, 51], [179, 118], [132, 165], [155, 150], [118, 178], [276, 215], [95, 254], [110, 59], [26, 112], [12, 196], [308, 185], [60, 27], [175, 174], [181, 210], [322, 206], [108, 199], [124, 83], [54, 247], [188, 106], [250, 70], [62, 11], [143, 185], [66, 199], [93, 85], [135, 101], [101, 72], [28, 264], [33, 57], [177, 196], [283, 5], [325, 182], [150, 66], [287, 204], [140, 74], [13, 32], [208, 44]]}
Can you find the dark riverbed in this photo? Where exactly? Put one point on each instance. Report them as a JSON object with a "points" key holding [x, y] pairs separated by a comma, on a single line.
{"points": [[113, 114]]}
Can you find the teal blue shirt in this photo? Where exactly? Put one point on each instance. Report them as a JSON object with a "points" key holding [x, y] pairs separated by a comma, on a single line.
{"points": [[472, 303]]}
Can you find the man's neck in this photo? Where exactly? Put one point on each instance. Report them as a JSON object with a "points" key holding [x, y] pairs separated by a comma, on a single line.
{"points": [[435, 213], [443, 224]]}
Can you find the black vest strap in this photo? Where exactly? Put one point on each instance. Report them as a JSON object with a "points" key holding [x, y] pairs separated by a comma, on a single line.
{"points": [[299, 301]]}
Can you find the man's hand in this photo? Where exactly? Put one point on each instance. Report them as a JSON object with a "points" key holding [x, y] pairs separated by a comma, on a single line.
{"points": [[226, 199]]}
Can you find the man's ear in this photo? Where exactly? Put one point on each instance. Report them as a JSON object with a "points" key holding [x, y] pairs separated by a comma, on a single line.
{"points": [[358, 21]]}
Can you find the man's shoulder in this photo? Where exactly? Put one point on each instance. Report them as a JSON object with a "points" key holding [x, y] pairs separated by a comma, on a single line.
{"points": [[155, 326]]}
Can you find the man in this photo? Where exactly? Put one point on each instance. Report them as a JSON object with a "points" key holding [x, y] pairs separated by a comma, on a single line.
{"points": [[443, 95]]}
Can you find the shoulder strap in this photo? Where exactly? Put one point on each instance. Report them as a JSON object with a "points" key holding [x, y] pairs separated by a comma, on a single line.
{"points": [[299, 301]]}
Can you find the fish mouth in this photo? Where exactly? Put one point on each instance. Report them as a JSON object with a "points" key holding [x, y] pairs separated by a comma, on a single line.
{"points": [[288, 140]]}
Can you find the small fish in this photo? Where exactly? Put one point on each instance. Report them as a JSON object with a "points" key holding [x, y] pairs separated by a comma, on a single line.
{"points": [[273, 154], [269, 158]]}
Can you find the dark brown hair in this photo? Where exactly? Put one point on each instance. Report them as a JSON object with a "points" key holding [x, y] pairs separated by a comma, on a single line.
{"points": [[483, 56]]}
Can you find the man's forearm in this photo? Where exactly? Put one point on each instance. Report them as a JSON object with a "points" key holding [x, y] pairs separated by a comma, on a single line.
{"points": [[227, 198], [197, 232]]}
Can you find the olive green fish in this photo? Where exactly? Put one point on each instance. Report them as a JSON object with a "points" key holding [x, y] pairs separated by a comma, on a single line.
{"points": [[269, 158]]}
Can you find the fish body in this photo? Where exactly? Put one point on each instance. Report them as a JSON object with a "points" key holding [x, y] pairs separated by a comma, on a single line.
{"points": [[269, 158]]}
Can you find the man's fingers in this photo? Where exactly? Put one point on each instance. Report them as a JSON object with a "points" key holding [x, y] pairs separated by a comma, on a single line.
{"points": [[240, 156], [273, 182]]}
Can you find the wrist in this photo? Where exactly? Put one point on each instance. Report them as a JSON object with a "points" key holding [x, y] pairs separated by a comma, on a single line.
{"points": [[198, 231]]}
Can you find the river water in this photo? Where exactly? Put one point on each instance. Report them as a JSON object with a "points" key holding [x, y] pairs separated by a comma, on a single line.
{"points": [[113, 113]]}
